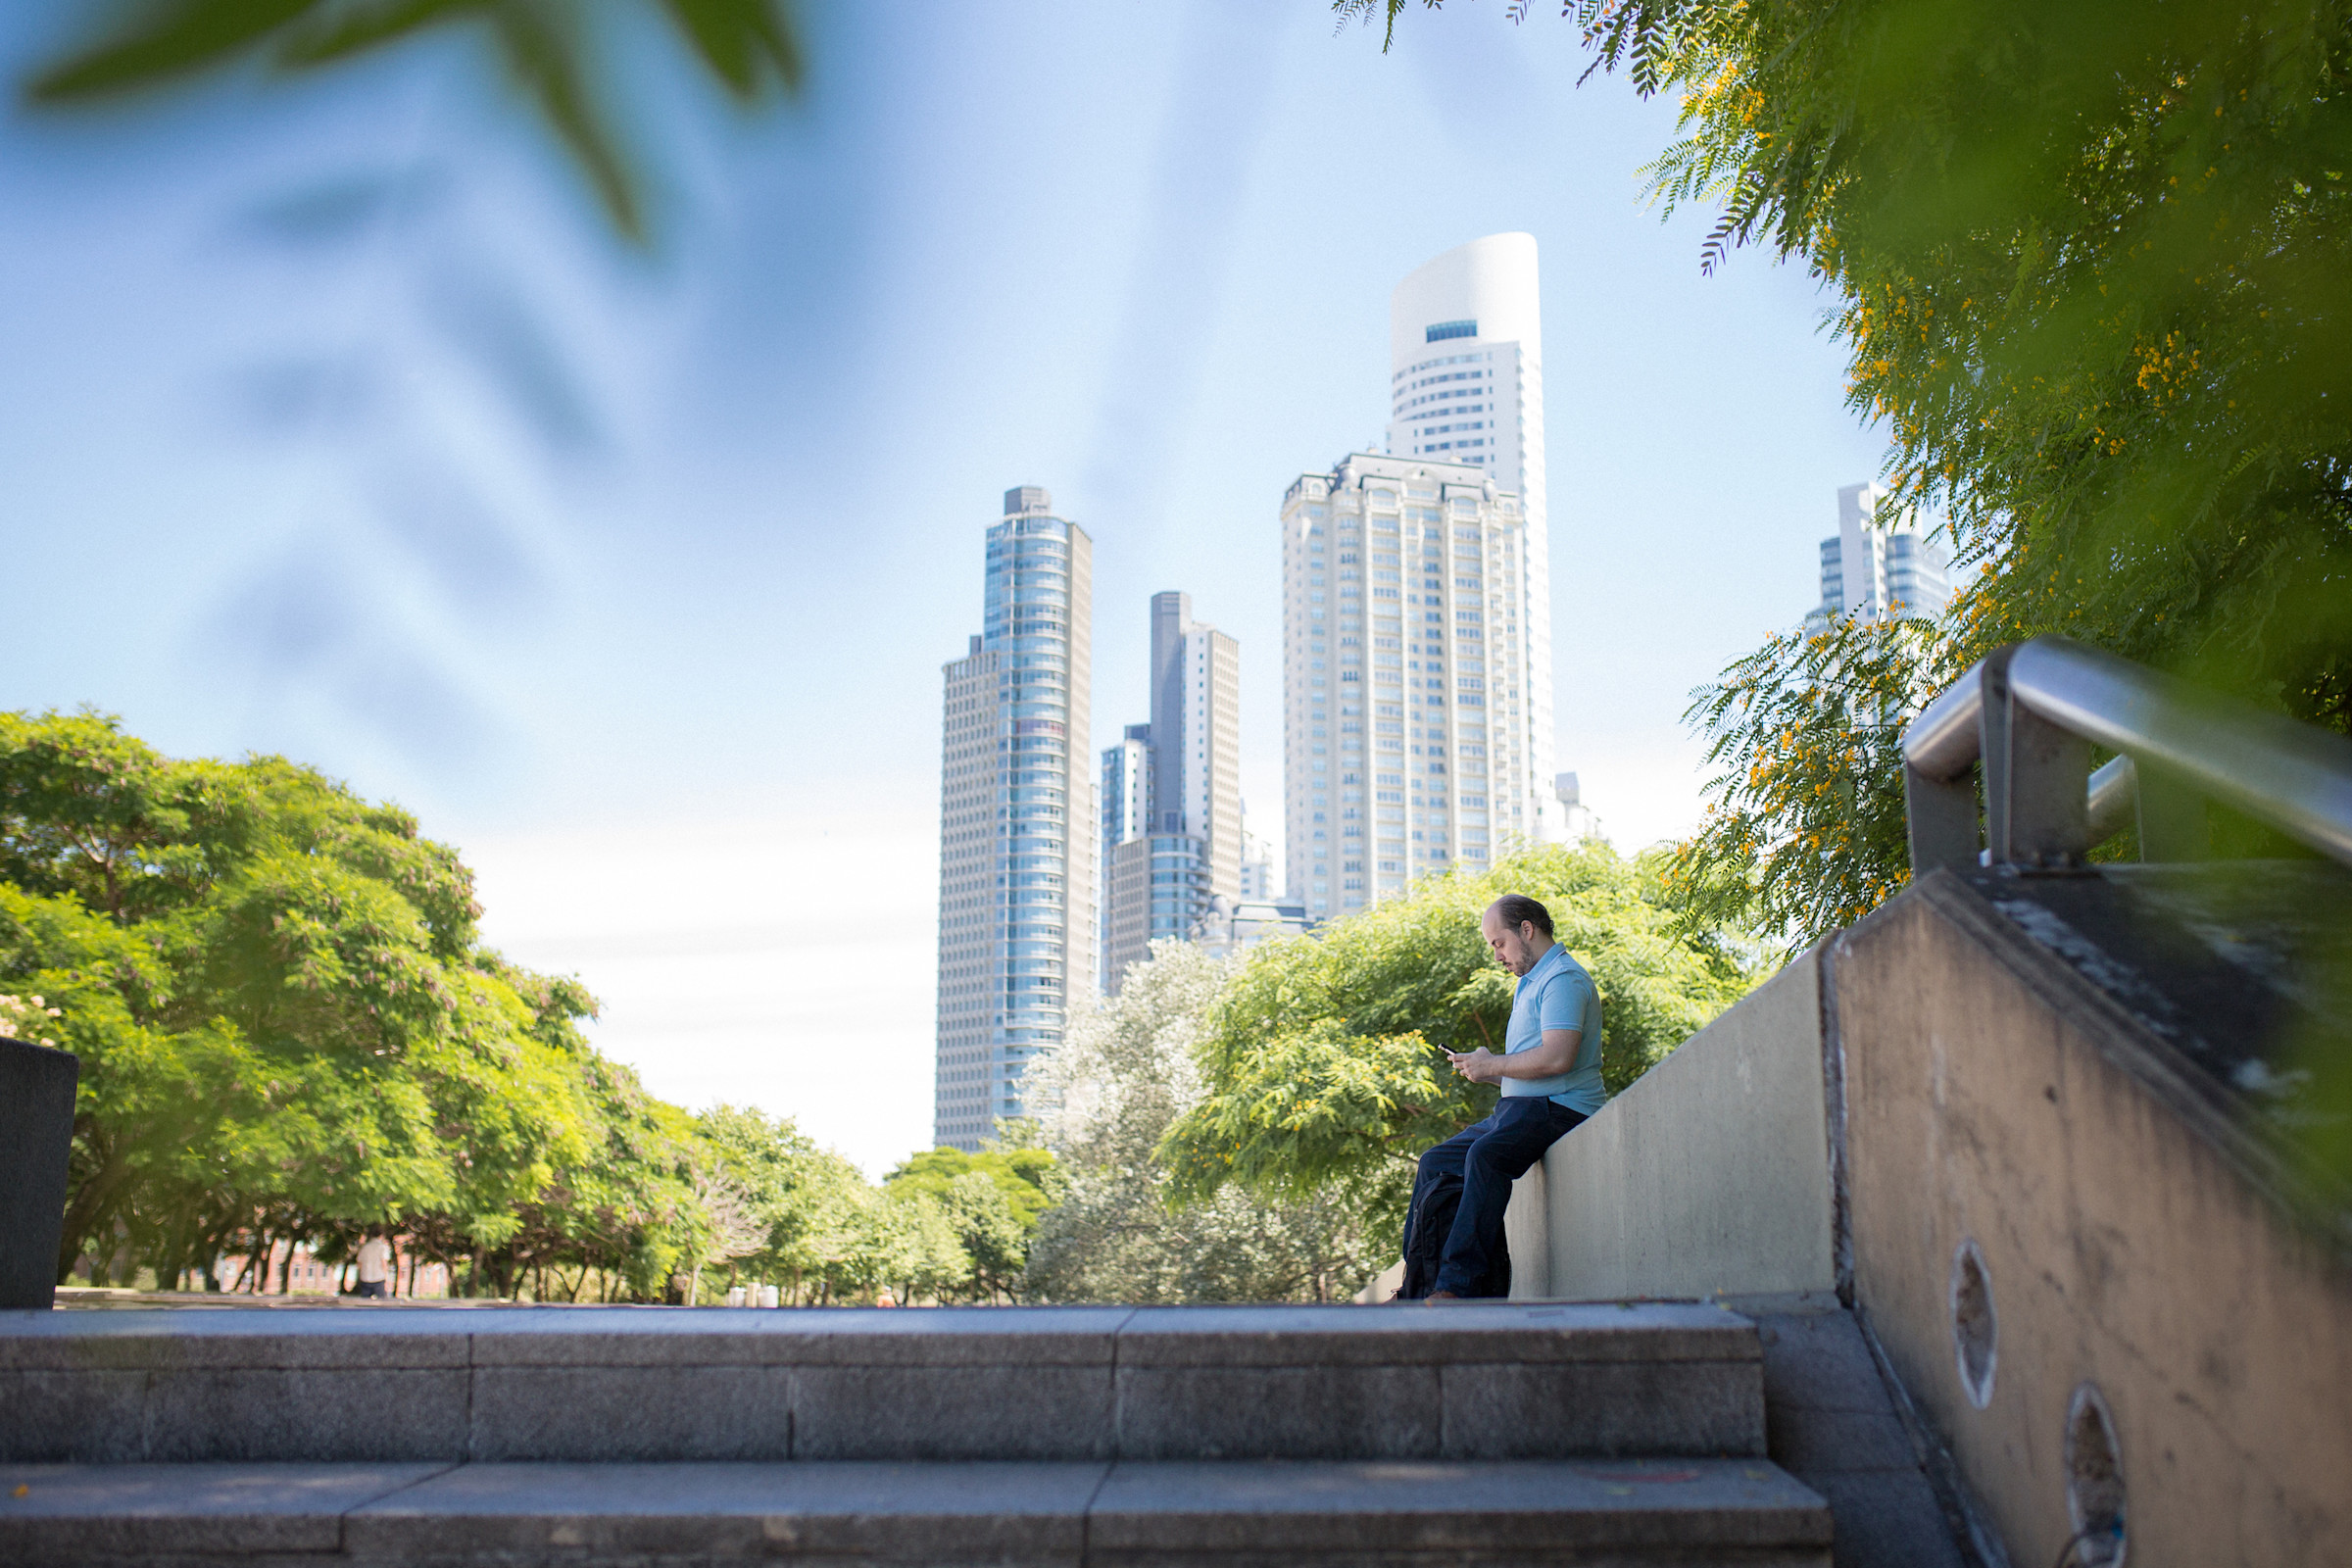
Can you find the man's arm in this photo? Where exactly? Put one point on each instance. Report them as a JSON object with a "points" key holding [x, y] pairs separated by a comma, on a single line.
{"points": [[1556, 1056]]}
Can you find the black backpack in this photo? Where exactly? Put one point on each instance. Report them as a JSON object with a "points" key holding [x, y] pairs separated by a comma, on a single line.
{"points": [[1435, 1202]]}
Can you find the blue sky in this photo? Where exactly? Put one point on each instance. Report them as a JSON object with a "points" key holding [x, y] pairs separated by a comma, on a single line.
{"points": [[333, 424]]}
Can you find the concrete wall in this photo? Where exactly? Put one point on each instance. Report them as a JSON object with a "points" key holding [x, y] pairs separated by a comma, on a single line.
{"points": [[1710, 1174], [1993, 1097]]}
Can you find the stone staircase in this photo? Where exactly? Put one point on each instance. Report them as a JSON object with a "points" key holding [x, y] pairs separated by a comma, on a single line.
{"points": [[1488, 1433]]}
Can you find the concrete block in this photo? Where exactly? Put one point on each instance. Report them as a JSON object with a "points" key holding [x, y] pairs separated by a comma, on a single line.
{"points": [[36, 1140], [254, 1413], [1709, 1175], [942, 1514], [1434, 1511], [951, 1413], [1688, 1408], [93, 1417], [1291, 1412], [616, 1413], [109, 1513]]}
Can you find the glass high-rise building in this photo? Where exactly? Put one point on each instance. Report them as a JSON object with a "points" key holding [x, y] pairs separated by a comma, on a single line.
{"points": [[1017, 879], [1873, 569], [1406, 735], [1174, 839], [1466, 386]]}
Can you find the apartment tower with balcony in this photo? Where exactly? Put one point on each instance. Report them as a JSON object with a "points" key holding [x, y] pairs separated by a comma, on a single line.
{"points": [[1467, 386], [1406, 745]]}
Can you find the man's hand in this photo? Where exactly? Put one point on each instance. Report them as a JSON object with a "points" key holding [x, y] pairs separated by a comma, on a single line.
{"points": [[1555, 1055], [1480, 1066]]}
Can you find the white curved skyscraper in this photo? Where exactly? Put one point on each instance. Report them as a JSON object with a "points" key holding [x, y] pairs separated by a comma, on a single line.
{"points": [[1466, 353]]}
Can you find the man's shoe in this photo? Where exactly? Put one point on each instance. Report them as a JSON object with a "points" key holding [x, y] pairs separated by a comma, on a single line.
{"points": [[1435, 1297]]}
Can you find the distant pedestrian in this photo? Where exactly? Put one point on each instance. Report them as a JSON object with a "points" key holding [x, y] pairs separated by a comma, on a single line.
{"points": [[375, 1267]]}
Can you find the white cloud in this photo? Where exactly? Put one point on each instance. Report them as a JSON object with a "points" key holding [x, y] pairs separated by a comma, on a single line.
{"points": [[782, 961]]}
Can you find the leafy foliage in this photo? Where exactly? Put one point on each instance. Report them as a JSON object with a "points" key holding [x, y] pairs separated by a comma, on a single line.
{"points": [[2089, 259], [289, 1032], [1805, 829], [1125, 1074], [547, 50], [993, 1201], [1321, 1059]]}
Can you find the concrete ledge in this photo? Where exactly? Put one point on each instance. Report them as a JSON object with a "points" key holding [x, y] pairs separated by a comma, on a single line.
{"points": [[1025, 1384], [1710, 1175], [1649, 1512]]}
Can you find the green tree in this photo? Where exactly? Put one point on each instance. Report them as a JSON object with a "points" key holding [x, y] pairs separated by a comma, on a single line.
{"points": [[289, 1031], [1804, 830], [1123, 1077], [1322, 1062], [2090, 259], [555, 56], [994, 1200], [802, 1202]]}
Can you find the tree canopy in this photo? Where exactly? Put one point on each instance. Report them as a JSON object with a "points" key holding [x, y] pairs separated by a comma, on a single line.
{"points": [[1123, 1076], [289, 1031]]}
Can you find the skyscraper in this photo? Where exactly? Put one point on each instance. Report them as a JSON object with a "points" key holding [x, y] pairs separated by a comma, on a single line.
{"points": [[1017, 882], [1405, 739], [1466, 386], [1875, 569], [1175, 841]]}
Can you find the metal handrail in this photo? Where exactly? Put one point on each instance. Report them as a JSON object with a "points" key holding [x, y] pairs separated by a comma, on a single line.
{"points": [[2032, 711]]}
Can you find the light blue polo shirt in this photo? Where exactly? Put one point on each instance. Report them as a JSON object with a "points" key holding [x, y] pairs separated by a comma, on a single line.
{"points": [[1557, 994]]}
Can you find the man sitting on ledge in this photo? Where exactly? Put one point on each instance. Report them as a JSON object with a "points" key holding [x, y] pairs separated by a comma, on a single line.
{"points": [[1549, 1070]]}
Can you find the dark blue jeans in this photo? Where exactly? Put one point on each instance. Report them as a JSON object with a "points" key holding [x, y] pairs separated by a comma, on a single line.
{"points": [[1489, 1156]]}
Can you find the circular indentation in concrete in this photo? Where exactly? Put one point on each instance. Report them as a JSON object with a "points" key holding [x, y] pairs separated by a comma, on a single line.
{"points": [[1976, 1327], [2094, 1480]]}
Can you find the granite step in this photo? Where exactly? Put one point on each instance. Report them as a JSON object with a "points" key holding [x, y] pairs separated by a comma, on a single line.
{"points": [[1054, 1514], [1472, 1381]]}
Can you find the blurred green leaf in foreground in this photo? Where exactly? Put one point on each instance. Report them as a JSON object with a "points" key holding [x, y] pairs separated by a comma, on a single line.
{"points": [[553, 53]]}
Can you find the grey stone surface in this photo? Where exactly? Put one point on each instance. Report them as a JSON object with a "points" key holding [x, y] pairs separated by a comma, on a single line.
{"points": [[1080, 1335], [951, 1413], [1675, 1408], [945, 1514], [607, 1413], [1055, 1516], [97, 1513], [160, 1338], [1888, 1519], [1817, 1361], [1492, 1380], [1819, 1442], [1833, 1425], [1291, 1412], [255, 1414], [1347, 1509], [96, 1417], [1495, 1331]]}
